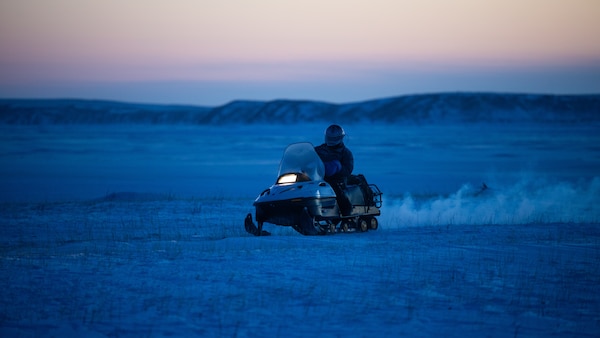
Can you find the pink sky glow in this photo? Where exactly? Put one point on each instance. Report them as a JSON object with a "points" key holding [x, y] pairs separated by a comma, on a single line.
{"points": [[213, 51]]}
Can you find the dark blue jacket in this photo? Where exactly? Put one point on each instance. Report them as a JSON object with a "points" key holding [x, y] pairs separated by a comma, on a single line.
{"points": [[337, 153]]}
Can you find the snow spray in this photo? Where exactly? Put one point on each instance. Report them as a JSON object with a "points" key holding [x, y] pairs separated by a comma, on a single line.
{"points": [[526, 201]]}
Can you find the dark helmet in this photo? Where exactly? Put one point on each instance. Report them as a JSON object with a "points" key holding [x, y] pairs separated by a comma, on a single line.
{"points": [[334, 135]]}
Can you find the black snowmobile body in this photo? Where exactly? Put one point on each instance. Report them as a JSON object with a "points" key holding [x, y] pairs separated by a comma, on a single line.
{"points": [[302, 199]]}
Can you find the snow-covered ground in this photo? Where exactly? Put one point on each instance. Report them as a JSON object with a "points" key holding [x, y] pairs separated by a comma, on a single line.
{"points": [[131, 231]]}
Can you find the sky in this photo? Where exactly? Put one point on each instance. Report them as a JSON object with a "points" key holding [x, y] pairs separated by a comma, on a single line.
{"points": [[210, 52]]}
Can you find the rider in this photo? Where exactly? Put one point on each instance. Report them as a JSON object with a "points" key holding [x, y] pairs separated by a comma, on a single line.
{"points": [[339, 163]]}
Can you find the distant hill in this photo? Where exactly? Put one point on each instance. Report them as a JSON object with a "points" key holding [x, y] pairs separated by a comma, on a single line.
{"points": [[420, 109]]}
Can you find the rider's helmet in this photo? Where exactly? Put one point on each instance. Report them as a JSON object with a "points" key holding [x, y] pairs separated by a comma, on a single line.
{"points": [[334, 135]]}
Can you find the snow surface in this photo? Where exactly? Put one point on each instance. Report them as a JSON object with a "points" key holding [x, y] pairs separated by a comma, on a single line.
{"points": [[137, 230]]}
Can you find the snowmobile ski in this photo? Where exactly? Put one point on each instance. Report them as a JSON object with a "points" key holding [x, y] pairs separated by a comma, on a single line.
{"points": [[251, 228]]}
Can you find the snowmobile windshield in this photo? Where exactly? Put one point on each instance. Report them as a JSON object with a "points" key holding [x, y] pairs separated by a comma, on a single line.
{"points": [[300, 162]]}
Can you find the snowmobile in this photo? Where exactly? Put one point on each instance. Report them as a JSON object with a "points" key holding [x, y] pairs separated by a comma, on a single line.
{"points": [[302, 199]]}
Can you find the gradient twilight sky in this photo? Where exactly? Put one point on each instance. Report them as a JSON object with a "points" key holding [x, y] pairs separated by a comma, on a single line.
{"points": [[209, 52]]}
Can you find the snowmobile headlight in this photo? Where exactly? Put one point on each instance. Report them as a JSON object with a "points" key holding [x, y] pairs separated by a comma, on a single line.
{"points": [[287, 179]]}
